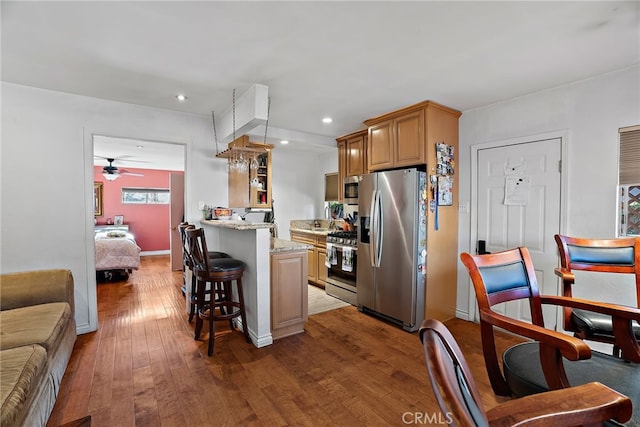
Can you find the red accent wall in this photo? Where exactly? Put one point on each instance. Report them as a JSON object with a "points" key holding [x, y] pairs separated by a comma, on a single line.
{"points": [[149, 224]]}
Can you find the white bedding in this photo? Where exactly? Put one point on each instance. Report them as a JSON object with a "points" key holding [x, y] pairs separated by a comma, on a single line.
{"points": [[116, 250]]}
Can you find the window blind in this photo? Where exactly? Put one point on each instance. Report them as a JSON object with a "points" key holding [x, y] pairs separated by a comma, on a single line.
{"points": [[629, 155], [149, 196]]}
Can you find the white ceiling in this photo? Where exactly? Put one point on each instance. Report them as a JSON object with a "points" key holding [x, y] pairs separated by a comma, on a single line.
{"points": [[347, 60], [129, 154]]}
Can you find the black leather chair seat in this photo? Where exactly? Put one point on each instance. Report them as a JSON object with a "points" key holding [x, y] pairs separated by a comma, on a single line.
{"points": [[524, 374], [598, 325], [216, 255], [226, 264]]}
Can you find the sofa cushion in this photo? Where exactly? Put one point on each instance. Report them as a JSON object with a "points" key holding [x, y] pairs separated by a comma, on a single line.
{"points": [[23, 369], [40, 324]]}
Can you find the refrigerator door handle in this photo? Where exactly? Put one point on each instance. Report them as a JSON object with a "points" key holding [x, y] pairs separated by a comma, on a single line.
{"points": [[372, 230], [380, 228]]}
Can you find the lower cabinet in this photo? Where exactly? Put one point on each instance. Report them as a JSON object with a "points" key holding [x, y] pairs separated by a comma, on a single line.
{"points": [[321, 254], [289, 293], [316, 259]]}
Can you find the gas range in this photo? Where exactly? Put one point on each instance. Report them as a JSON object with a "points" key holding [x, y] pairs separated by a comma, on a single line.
{"points": [[346, 238], [342, 258]]}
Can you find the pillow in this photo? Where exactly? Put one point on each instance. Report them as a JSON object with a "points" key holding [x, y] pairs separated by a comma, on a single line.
{"points": [[116, 233]]}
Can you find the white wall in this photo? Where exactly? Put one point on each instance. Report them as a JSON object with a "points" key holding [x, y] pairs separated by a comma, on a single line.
{"points": [[591, 112], [298, 185], [46, 177]]}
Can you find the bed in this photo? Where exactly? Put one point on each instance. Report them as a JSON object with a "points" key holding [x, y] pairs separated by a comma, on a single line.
{"points": [[116, 250]]}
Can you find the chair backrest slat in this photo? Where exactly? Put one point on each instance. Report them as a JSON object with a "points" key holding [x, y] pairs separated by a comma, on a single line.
{"points": [[197, 244], [600, 255], [186, 257], [502, 277], [450, 377]]}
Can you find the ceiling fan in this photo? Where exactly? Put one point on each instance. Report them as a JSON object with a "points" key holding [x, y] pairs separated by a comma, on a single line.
{"points": [[111, 173]]}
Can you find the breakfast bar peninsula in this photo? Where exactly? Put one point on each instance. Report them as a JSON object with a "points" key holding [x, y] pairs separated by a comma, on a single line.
{"points": [[251, 242]]}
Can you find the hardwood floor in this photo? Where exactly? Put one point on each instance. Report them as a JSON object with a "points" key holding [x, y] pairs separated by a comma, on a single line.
{"points": [[143, 367]]}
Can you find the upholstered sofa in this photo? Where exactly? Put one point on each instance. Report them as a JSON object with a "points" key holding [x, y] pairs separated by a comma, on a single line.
{"points": [[37, 334]]}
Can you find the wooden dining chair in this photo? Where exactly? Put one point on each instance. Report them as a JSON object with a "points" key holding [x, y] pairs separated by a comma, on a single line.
{"points": [[551, 360], [460, 404], [620, 256]]}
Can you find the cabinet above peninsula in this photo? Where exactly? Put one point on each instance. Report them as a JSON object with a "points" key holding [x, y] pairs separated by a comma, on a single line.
{"points": [[249, 173]]}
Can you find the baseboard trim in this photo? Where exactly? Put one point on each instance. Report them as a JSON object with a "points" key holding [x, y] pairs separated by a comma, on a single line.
{"points": [[462, 315], [84, 328], [151, 253]]}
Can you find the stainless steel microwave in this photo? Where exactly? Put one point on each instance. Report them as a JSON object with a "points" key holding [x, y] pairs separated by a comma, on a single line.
{"points": [[350, 194]]}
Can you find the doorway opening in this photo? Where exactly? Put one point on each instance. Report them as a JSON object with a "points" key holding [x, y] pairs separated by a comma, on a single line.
{"points": [[142, 194]]}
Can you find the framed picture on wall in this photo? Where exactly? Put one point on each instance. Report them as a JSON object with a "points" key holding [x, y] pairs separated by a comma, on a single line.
{"points": [[118, 219], [97, 199]]}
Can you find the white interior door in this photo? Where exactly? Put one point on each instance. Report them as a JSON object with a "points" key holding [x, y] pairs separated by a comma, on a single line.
{"points": [[518, 204]]}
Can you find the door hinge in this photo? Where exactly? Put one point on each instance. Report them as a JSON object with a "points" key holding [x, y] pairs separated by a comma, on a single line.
{"points": [[560, 166]]}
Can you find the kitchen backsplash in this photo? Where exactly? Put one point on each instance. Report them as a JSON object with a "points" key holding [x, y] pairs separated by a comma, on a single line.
{"points": [[310, 224]]}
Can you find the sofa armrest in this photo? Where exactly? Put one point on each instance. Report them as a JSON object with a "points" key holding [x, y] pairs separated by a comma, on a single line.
{"points": [[36, 287]]}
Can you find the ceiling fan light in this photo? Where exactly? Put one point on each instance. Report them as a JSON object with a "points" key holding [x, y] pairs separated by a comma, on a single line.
{"points": [[110, 176]]}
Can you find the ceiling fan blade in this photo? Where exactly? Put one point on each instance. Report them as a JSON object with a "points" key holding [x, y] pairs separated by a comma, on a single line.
{"points": [[123, 158], [126, 172]]}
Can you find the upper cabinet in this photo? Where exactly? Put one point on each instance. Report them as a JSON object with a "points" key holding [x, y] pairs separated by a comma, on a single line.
{"points": [[260, 181], [401, 138], [352, 156], [331, 187], [249, 185], [396, 142], [342, 168], [356, 146]]}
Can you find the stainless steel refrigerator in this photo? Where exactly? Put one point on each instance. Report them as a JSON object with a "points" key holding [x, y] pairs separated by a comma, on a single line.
{"points": [[392, 246]]}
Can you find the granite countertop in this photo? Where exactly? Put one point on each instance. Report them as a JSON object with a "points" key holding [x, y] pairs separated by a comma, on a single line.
{"points": [[280, 245], [236, 225], [326, 226], [315, 231]]}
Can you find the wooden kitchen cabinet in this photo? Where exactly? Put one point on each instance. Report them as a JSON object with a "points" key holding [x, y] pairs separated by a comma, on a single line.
{"points": [[317, 270], [409, 148], [342, 168], [289, 293], [396, 140], [352, 156], [380, 146], [260, 197], [241, 193], [321, 254], [355, 145]]}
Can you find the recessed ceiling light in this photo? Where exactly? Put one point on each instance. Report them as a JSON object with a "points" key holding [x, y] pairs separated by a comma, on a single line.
{"points": [[327, 120], [284, 142], [181, 97], [139, 146]]}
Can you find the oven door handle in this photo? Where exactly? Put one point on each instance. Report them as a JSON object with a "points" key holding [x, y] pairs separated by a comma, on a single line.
{"points": [[339, 246]]}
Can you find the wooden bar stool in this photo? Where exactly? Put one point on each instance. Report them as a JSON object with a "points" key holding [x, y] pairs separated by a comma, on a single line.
{"points": [[186, 262], [220, 274]]}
